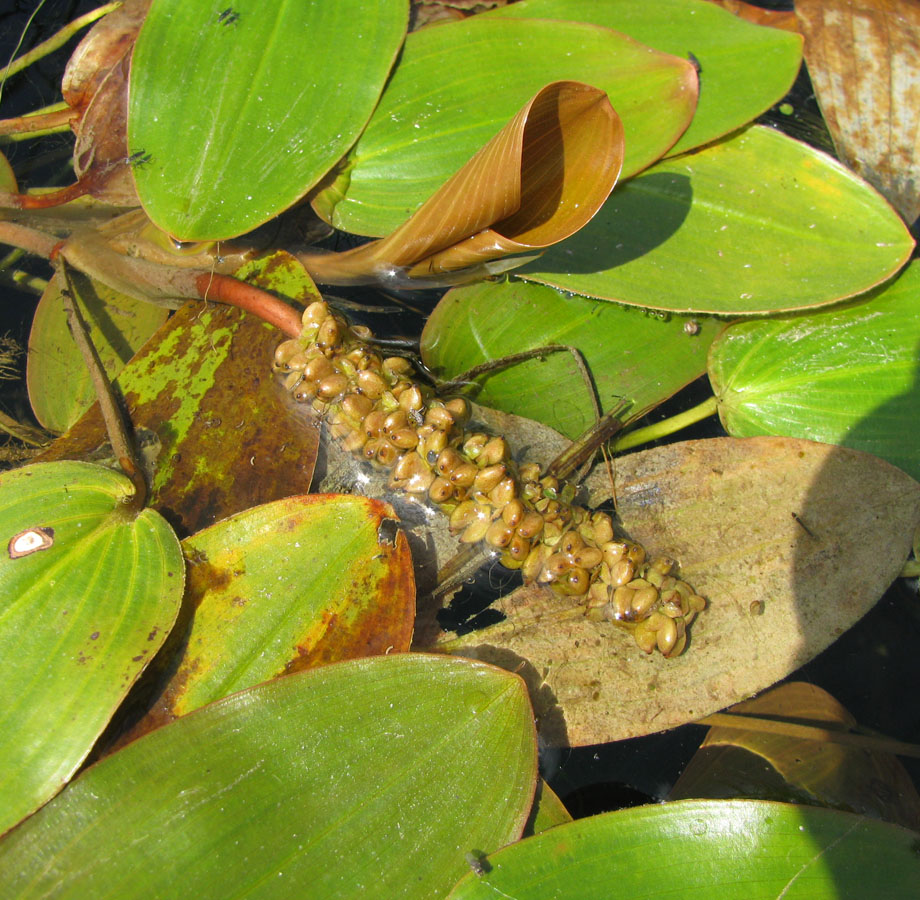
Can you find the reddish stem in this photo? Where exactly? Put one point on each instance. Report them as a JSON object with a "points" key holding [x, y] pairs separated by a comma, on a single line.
{"points": [[252, 299]]}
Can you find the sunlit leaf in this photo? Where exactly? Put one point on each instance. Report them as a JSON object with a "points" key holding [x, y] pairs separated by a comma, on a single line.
{"points": [[215, 437], [706, 849], [90, 591], [252, 104], [286, 586], [759, 223], [370, 778], [60, 389], [847, 376], [766, 529], [744, 69], [862, 59], [457, 85], [549, 811], [734, 762], [631, 354], [539, 180]]}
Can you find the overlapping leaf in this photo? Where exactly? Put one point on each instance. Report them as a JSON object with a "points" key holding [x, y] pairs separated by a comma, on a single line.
{"points": [[441, 106], [632, 355], [744, 69], [706, 849], [756, 224], [369, 778], [90, 592], [847, 376], [763, 530], [252, 104]]}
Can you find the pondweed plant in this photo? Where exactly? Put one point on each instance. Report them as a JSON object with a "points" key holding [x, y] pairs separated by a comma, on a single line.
{"points": [[600, 215]]}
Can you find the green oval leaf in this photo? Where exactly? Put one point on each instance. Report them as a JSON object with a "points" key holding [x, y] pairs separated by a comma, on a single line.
{"points": [[60, 389], [707, 849], [744, 68], [632, 354], [90, 592], [285, 586], [369, 778], [240, 112], [846, 376], [756, 224], [458, 84]]}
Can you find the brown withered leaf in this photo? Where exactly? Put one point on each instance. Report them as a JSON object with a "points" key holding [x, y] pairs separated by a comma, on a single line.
{"points": [[538, 181], [774, 18], [862, 57], [767, 530], [732, 762]]}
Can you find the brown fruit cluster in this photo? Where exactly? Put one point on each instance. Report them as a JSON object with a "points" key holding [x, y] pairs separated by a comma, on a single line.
{"points": [[378, 411]]}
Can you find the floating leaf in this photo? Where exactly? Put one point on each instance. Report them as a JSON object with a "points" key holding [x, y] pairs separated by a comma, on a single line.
{"points": [[232, 134], [370, 778], [734, 762], [292, 584], [744, 69], [548, 812], [89, 591], [847, 376], [706, 849], [539, 180], [756, 224], [457, 85], [215, 436], [862, 59], [60, 388], [764, 528], [631, 354]]}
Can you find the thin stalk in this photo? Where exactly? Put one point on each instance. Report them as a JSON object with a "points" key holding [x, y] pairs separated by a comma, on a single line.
{"points": [[666, 427], [29, 239], [23, 281], [56, 40]]}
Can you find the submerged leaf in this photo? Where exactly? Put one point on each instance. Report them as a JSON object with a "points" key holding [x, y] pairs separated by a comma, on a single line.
{"points": [[848, 375], [539, 180], [457, 85], [862, 59], [766, 530], [756, 224], [744, 69], [631, 354], [90, 592], [369, 778], [699, 850]]}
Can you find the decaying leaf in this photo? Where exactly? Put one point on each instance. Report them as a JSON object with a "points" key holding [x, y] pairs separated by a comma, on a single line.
{"points": [[862, 57], [765, 528], [732, 762]]}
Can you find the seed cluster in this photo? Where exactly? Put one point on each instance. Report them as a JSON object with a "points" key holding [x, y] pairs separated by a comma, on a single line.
{"points": [[378, 411]]}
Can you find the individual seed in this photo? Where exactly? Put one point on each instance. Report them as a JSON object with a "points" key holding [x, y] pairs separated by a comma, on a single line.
{"points": [[387, 454], [396, 365], [489, 477], [475, 531], [680, 645], [571, 542], [473, 444], [603, 528], [513, 513], [671, 610], [395, 421], [332, 386], [315, 314], [299, 361], [292, 380], [284, 352], [588, 557], [622, 572], [531, 524], [643, 601], [575, 582], [697, 603], [412, 399], [550, 486], [448, 460], [373, 423], [369, 451], [362, 332], [499, 534], [503, 492], [420, 482], [356, 406], [533, 564], [304, 391], [405, 438], [622, 602], [464, 475], [459, 409], [683, 589], [552, 533], [441, 490], [673, 599], [409, 465], [518, 548], [354, 441], [370, 383], [494, 451], [614, 551], [666, 634], [636, 554], [530, 472], [598, 597], [645, 637], [345, 366], [434, 444], [463, 515], [318, 368], [329, 333], [554, 566], [440, 418], [663, 564]]}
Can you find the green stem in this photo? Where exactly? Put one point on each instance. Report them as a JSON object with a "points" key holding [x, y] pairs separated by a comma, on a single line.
{"points": [[56, 40], [667, 426]]}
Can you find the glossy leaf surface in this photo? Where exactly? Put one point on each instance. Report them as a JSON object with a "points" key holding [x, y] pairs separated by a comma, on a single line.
{"points": [[252, 105], [369, 778], [297, 583], [759, 223], [631, 354], [766, 530], [90, 592], [848, 376], [60, 389], [442, 105], [744, 69], [731, 849]]}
